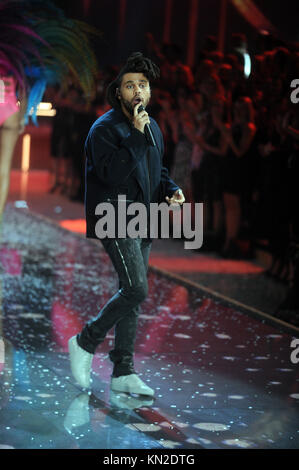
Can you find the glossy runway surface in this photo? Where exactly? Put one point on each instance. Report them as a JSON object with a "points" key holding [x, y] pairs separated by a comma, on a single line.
{"points": [[222, 378]]}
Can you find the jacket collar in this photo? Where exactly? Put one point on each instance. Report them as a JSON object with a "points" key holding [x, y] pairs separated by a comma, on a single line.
{"points": [[119, 112]]}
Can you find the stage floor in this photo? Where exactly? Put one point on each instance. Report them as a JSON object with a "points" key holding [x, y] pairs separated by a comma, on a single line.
{"points": [[223, 375]]}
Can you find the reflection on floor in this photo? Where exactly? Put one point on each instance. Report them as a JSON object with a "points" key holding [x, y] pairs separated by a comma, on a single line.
{"points": [[222, 378]]}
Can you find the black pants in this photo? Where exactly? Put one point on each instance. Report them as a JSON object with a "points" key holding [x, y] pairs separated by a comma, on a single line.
{"points": [[130, 259]]}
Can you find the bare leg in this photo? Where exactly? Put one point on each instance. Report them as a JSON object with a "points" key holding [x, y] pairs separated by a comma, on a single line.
{"points": [[9, 134]]}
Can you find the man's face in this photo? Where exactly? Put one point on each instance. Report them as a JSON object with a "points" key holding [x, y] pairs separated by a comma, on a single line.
{"points": [[134, 89]]}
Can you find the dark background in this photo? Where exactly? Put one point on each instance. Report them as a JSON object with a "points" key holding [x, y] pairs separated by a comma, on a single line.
{"points": [[143, 16]]}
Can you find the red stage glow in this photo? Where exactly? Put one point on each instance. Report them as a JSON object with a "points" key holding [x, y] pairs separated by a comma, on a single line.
{"points": [[74, 225]]}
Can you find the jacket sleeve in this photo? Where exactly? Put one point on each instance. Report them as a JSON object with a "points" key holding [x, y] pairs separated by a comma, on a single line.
{"points": [[114, 160], [168, 185]]}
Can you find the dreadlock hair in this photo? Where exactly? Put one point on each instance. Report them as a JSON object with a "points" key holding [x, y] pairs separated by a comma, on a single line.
{"points": [[136, 63]]}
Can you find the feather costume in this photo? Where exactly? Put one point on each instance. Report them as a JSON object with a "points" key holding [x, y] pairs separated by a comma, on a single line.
{"points": [[57, 49], [18, 47]]}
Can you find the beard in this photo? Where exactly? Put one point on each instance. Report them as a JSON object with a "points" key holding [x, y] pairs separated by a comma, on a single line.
{"points": [[127, 105]]}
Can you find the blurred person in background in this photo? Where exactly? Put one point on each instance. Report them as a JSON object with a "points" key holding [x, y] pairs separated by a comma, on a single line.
{"points": [[209, 45], [167, 120], [61, 147], [83, 116], [181, 168], [238, 172], [205, 68], [206, 178], [174, 73], [226, 76]]}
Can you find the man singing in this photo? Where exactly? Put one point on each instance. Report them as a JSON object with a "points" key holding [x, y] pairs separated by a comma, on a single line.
{"points": [[121, 160]]}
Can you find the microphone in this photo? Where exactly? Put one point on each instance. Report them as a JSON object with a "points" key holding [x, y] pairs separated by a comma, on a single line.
{"points": [[147, 129]]}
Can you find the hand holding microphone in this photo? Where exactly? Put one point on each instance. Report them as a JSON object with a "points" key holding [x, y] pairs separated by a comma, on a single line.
{"points": [[142, 122]]}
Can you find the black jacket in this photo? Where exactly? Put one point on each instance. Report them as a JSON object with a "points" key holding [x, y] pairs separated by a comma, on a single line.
{"points": [[119, 160]]}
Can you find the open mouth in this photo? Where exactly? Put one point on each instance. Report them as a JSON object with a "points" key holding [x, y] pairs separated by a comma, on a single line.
{"points": [[136, 101]]}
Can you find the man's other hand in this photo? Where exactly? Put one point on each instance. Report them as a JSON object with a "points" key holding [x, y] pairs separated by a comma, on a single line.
{"points": [[177, 198]]}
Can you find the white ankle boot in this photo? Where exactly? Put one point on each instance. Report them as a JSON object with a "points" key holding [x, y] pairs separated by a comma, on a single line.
{"points": [[130, 384], [80, 363]]}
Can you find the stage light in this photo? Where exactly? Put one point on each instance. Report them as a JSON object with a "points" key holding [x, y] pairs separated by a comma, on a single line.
{"points": [[247, 64], [25, 165], [45, 109], [46, 112], [44, 106], [26, 152]]}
